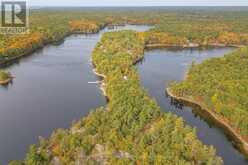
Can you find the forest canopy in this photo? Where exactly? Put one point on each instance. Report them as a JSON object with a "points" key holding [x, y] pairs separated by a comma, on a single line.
{"points": [[131, 129], [171, 27], [222, 85]]}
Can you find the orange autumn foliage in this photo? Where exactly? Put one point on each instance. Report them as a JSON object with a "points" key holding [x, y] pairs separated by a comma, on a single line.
{"points": [[1, 50], [20, 44], [84, 26], [228, 38], [26, 41], [164, 38]]}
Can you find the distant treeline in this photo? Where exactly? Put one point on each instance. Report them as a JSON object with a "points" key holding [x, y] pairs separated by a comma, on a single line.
{"points": [[173, 27], [131, 129]]}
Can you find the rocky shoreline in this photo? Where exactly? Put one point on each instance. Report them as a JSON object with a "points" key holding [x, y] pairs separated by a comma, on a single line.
{"points": [[192, 45], [240, 142], [5, 82], [102, 84]]}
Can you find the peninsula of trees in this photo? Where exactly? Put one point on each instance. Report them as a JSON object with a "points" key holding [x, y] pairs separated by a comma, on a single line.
{"points": [[220, 86], [131, 129]]}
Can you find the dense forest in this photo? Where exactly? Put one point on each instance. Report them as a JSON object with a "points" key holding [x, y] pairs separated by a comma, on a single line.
{"points": [[182, 27], [131, 128], [221, 85]]}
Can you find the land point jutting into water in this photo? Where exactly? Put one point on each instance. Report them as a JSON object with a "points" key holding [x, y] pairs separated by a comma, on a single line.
{"points": [[130, 126], [5, 78]]}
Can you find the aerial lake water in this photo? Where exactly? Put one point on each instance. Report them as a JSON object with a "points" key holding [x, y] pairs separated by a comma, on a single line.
{"points": [[51, 89], [159, 68]]}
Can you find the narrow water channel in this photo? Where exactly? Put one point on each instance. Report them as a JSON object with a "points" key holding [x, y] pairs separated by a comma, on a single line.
{"points": [[49, 91], [159, 68]]}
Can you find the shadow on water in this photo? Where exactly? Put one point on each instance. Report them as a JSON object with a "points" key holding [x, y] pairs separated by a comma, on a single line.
{"points": [[206, 117], [198, 112], [159, 68], [17, 60], [6, 86], [49, 91]]}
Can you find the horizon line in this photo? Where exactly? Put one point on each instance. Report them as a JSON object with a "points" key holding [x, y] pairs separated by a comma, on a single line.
{"points": [[136, 6]]}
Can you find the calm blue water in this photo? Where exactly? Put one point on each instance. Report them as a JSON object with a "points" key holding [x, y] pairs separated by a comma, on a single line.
{"points": [[50, 91], [159, 68]]}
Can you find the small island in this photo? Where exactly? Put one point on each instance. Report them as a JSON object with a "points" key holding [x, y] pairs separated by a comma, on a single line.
{"points": [[5, 77]]}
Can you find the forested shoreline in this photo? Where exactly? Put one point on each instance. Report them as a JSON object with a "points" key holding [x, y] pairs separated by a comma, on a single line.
{"points": [[131, 128], [5, 77], [219, 85], [186, 28]]}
